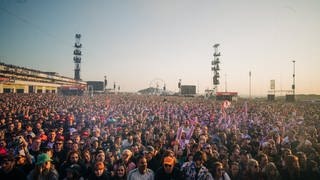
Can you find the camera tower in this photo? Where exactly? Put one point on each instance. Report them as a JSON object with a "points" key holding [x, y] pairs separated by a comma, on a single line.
{"points": [[215, 68], [77, 57]]}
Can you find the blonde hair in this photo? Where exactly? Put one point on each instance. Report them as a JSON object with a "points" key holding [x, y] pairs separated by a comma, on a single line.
{"points": [[127, 151]]}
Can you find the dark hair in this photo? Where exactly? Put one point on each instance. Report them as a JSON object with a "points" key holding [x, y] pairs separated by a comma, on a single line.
{"points": [[75, 169], [73, 152], [214, 168], [140, 157], [234, 163], [200, 155], [125, 169], [8, 157]]}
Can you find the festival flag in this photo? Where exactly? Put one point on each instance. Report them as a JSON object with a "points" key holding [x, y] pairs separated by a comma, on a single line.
{"points": [[179, 132]]}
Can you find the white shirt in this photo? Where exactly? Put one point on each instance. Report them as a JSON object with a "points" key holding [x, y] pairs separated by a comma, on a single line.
{"points": [[136, 175]]}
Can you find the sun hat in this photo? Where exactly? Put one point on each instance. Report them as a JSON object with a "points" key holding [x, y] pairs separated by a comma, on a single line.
{"points": [[42, 158]]}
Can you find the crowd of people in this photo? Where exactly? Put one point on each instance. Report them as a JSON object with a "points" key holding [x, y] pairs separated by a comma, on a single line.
{"points": [[129, 136]]}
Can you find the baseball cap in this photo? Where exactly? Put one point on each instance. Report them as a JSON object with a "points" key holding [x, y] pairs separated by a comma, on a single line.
{"points": [[168, 160]]}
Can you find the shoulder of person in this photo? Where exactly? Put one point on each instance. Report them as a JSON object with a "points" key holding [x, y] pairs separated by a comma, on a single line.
{"points": [[54, 174], [209, 176], [150, 171], [159, 170], [133, 171], [226, 176]]}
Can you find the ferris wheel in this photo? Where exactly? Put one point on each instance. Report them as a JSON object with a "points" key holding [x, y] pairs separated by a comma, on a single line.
{"points": [[158, 85]]}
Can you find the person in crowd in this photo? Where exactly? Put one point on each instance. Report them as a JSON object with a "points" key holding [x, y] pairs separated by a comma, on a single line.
{"points": [[73, 158], [18, 127], [126, 159], [253, 172], [68, 145], [291, 170], [234, 172], [51, 138], [10, 134], [87, 161], [59, 153], [218, 173], [303, 163], [184, 134], [224, 159], [100, 156], [3, 147], [23, 164], [235, 153], [195, 170], [243, 163], [9, 170], [44, 169], [313, 170], [120, 173], [73, 173], [116, 147], [271, 172], [109, 162], [142, 172], [153, 162], [135, 152], [212, 157], [128, 141], [35, 147], [99, 172], [263, 161], [168, 170]]}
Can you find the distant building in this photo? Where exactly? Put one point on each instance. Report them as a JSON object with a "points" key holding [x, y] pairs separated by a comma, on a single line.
{"points": [[15, 79]]}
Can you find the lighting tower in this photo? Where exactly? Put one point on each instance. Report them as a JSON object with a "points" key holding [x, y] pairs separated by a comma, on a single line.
{"points": [[77, 57], [215, 68], [105, 82]]}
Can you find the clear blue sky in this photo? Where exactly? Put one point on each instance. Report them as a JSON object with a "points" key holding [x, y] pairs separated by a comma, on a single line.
{"points": [[134, 42]]}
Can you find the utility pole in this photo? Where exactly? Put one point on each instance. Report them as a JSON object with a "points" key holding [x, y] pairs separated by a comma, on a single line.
{"points": [[294, 77], [249, 84]]}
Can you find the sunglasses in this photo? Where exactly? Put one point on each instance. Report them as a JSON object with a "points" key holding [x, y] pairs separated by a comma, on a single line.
{"points": [[167, 165], [99, 169]]}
